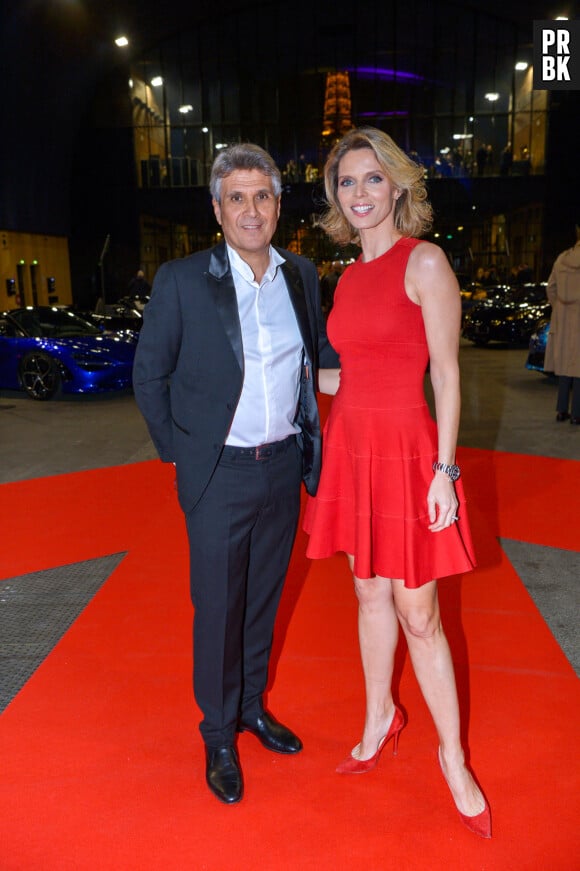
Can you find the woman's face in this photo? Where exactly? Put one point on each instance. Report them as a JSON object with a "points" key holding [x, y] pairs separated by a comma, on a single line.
{"points": [[365, 192]]}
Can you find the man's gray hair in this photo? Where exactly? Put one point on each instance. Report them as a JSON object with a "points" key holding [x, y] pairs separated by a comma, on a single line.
{"points": [[244, 155]]}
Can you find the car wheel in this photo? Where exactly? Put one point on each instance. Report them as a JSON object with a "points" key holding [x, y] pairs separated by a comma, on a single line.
{"points": [[39, 376]]}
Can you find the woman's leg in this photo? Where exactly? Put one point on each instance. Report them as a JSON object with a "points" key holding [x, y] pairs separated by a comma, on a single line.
{"points": [[378, 630], [418, 613]]}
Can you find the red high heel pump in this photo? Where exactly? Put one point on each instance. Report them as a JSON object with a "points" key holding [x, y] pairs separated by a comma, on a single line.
{"points": [[351, 765], [480, 824]]}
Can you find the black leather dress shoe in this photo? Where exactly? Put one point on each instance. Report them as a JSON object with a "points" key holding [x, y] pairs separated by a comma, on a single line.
{"points": [[223, 773], [575, 420], [562, 415], [272, 734]]}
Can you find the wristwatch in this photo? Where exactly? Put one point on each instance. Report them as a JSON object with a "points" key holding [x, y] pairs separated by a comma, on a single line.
{"points": [[453, 472]]}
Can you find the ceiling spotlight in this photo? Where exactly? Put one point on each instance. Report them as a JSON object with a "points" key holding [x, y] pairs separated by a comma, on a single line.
{"points": [[187, 107], [122, 41], [522, 65], [492, 96], [157, 81]]}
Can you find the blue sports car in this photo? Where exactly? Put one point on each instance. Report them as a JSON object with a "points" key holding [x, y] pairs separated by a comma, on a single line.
{"points": [[537, 347], [47, 351]]}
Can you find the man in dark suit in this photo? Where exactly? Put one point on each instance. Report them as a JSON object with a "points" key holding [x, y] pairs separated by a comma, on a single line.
{"points": [[225, 376]]}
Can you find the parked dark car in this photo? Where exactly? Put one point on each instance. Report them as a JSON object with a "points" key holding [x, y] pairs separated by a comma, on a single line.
{"points": [[510, 316], [118, 317], [537, 347], [474, 292], [46, 351]]}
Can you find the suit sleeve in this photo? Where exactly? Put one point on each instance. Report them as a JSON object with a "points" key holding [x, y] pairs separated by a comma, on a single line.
{"points": [[156, 358], [327, 356]]}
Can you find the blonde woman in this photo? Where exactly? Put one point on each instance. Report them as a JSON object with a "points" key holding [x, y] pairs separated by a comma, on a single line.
{"points": [[390, 494]]}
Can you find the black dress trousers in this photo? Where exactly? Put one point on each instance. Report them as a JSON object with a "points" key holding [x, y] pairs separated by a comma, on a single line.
{"points": [[241, 535]]}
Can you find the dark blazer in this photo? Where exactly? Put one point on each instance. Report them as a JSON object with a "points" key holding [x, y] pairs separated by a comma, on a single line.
{"points": [[189, 364]]}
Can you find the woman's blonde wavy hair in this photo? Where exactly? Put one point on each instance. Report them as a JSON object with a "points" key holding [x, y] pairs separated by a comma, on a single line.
{"points": [[413, 212]]}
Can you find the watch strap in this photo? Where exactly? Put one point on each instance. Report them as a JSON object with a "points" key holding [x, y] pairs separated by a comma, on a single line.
{"points": [[451, 470]]}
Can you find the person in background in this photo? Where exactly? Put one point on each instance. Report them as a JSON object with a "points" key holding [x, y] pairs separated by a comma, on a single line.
{"points": [[390, 494], [525, 273], [139, 287], [563, 348], [225, 377], [506, 160], [481, 158]]}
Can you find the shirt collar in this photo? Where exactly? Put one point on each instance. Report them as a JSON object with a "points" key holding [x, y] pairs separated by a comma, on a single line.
{"points": [[247, 272]]}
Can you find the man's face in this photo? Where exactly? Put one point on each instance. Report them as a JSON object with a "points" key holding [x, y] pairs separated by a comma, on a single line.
{"points": [[248, 211]]}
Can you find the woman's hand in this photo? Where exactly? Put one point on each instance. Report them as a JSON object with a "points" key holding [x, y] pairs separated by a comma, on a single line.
{"points": [[442, 502], [328, 380]]}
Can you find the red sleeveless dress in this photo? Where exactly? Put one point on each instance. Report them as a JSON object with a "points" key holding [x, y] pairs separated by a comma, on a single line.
{"points": [[380, 441]]}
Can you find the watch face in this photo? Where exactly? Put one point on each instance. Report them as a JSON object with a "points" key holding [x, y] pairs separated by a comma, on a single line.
{"points": [[453, 472]]}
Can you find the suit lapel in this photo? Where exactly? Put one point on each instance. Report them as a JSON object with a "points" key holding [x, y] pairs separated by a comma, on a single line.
{"points": [[298, 299], [222, 286]]}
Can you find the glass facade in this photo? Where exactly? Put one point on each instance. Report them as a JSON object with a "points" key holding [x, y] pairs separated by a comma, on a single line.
{"points": [[427, 73], [441, 79]]}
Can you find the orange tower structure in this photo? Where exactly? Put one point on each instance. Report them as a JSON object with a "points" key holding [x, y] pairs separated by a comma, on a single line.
{"points": [[337, 119]]}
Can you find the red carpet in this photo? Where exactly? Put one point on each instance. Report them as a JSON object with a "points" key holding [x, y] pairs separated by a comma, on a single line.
{"points": [[102, 764]]}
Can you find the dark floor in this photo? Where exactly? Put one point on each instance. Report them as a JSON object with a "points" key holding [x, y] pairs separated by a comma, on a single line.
{"points": [[505, 408]]}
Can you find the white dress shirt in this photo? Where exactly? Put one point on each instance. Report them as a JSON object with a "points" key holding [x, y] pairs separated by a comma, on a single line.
{"points": [[272, 347]]}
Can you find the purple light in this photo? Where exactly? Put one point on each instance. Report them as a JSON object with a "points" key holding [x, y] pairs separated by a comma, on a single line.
{"points": [[400, 114], [374, 72]]}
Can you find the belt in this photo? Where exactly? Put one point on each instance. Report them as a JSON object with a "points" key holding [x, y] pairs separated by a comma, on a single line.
{"points": [[260, 452]]}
